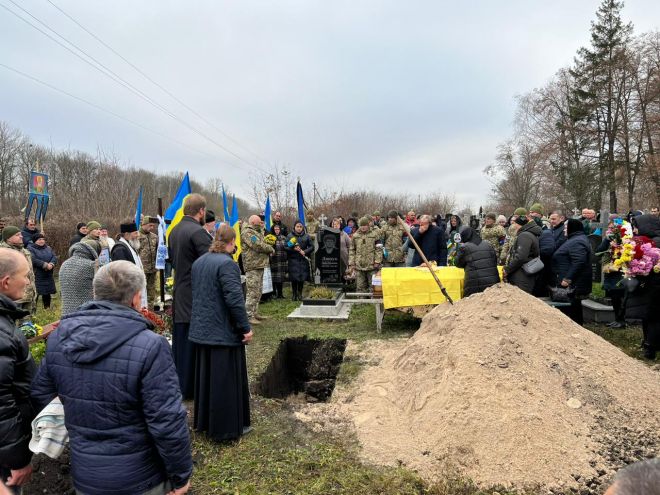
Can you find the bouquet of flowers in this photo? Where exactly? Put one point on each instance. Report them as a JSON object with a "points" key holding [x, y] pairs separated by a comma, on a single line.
{"points": [[31, 330], [160, 326], [633, 256], [293, 242], [270, 239]]}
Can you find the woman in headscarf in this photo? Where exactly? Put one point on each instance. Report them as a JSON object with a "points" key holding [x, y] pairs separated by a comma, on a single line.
{"points": [[220, 329], [479, 260]]}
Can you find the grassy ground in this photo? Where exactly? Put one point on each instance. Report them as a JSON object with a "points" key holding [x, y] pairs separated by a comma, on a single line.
{"points": [[282, 456]]}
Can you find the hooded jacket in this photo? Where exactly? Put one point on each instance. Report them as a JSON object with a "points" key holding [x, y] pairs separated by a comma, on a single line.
{"points": [[16, 371], [76, 276], [479, 259], [525, 248], [572, 261], [122, 403]]}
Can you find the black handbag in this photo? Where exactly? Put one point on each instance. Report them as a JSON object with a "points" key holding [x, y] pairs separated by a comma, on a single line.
{"points": [[561, 294]]}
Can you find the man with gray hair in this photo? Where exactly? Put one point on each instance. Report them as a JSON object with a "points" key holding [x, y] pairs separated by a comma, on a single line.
{"points": [[16, 372], [119, 388], [640, 478]]}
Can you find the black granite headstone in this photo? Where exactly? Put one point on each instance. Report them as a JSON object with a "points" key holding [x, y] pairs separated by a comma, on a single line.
{"points": [[596, 261], [328, 260]]}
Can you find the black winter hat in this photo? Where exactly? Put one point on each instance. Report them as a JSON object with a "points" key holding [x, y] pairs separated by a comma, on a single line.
{"points": [[573, 225]]}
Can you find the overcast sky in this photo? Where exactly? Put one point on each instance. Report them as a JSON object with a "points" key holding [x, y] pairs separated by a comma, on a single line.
{"points": [[409, 96]]}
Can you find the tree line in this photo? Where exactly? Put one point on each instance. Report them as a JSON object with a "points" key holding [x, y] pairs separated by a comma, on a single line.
{"points": [[590, 136]]}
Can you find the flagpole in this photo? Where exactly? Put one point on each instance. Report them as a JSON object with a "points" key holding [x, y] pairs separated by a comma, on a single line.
{"points": [[161, 272]]}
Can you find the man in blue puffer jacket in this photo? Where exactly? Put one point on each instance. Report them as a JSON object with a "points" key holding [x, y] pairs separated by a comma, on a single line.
{"points": [[120, 391]]}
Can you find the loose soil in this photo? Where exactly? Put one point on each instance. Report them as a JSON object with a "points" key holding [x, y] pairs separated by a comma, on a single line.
{"points": [[507, 391]]}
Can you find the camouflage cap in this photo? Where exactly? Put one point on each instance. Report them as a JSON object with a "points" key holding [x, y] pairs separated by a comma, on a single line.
{"points": [[392, 214], [536, 208], [364, 221], [491, 215], [521, 212], [376, 213]]}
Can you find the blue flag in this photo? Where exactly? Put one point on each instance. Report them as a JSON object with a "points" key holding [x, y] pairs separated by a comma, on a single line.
{"points": [[177, 202], [233, 218], [267, 214], [224, 205], [301, 203], [138, 210]]}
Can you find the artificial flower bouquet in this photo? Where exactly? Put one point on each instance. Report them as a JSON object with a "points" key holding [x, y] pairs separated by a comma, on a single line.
{"points": [[633, 256]]}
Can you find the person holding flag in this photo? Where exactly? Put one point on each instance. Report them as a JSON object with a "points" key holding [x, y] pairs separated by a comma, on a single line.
{"points": [[187, 242]]}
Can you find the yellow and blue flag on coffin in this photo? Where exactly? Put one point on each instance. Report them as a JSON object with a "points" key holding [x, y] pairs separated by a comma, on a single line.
{"points": [[233, 223], [174, 212]]}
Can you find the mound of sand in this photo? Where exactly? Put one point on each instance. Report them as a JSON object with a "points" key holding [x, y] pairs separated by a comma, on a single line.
{"points": [[508, 391]]}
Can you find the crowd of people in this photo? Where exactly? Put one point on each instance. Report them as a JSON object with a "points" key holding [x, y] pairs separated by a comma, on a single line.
{"points": [[121, 388]]}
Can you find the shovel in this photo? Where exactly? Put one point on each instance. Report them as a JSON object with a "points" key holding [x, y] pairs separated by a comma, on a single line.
{"points": [[428, 265]]}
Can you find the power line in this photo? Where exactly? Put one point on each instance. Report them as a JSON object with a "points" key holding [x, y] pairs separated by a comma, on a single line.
{"points": [[155, 83], [116, 78], [102, 109]]}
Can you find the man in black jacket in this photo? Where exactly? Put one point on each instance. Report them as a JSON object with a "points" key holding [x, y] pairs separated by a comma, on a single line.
{"points": [[16, 371], [432, 241], [187, 242]]}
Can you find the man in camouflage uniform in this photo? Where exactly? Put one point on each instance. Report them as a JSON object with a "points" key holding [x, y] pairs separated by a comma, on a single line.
{"points": [[256, 256], [511, 236], [393, 235], [493, 233], [93, 238], [13, 239], [377, 221], [364, 257], [148, 250]]}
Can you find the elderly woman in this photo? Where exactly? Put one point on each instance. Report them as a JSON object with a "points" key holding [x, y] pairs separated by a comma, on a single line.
{"points": [[299, 246], [278, 261], [76, 276], [219, 326], [43, 262], [344, 243]]}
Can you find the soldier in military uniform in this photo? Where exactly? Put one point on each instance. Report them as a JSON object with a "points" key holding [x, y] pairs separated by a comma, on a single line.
{"points": [[13, 239], [511, 236], [393, 235], [377, 221], [364, 257], [148, 250], [256, 256], [493, 233]]}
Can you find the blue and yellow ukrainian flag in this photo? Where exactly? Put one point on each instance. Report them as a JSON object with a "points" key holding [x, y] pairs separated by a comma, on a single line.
{"points": [[174, 212]]}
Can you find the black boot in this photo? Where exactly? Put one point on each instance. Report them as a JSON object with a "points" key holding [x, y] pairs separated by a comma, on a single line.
{"points": [[294, 290]]}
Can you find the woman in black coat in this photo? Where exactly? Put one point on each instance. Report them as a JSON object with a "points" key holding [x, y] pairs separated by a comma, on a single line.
{"points": [[298, 253], [220, 329], [278, 261], [642, 301], [524, 249], [43, 262], [479, 260], [571, 266]]}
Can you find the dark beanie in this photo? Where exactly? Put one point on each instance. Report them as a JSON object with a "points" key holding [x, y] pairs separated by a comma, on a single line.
{"points": [[521, 221], [38, 236], [210, 216], [127, 228], [9, 231], [573, 225]]}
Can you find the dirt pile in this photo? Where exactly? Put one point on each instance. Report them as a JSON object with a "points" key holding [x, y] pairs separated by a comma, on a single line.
{"points": [[508, 391]]}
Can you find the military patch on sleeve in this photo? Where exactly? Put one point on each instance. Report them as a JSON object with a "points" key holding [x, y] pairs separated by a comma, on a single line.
{"points": [[253, 239]]}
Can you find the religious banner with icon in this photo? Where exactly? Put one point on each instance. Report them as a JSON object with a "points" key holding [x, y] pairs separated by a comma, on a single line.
{"points": [[39, 194]]}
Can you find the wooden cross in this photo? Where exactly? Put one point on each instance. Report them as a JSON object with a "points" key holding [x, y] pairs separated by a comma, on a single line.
{"points": [[322, 219]]}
